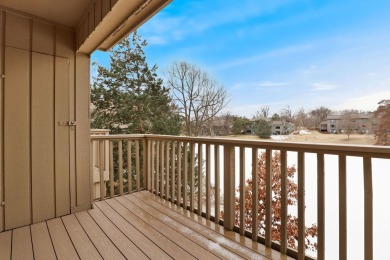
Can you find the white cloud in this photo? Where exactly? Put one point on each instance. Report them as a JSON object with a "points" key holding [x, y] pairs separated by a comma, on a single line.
{"points": [[321, 86], [367, 102], [272, 84], [268, 55]]}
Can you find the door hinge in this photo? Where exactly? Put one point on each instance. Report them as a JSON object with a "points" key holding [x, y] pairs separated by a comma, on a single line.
{"points": [[2, 204], [67, 123]]}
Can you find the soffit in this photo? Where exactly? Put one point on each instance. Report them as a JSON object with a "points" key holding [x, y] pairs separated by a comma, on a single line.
{"points": [[64, 12]]}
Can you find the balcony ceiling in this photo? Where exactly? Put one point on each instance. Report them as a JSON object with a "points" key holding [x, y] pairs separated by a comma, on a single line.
{"points": [[64, 12]]}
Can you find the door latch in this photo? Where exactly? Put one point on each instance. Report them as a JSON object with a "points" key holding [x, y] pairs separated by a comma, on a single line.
{"points": [[67, 123]]}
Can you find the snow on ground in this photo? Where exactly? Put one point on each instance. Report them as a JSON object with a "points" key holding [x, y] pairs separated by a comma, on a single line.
{"points": [[304, 132], [280, 137]]}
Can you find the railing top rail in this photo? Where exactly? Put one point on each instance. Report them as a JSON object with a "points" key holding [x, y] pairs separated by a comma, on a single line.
{"points": [[117, 137], [338, 149]]}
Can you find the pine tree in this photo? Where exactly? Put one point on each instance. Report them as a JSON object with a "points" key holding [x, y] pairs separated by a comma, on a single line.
{"points": [[128, 97]]}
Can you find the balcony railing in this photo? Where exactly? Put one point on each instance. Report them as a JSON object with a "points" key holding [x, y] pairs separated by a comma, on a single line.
{"points": [[200, 175]]}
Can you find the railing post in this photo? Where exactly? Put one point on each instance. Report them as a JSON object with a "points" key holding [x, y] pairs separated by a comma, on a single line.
{"points": [[342, 207], [368, 215], [229, 187], [301, 206]]}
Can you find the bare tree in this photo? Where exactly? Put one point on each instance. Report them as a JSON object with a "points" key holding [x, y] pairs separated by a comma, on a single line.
{"points": [[287, 114], [319, 115], [263, 113], [300, 117], [199, 97], [348, 124]]}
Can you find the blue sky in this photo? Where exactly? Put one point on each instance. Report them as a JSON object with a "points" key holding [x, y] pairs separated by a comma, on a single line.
{"points": [[299, 53]]}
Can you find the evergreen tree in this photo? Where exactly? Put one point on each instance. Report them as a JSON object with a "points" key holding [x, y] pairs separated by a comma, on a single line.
{"points": [[128, 97], [263, 129]]}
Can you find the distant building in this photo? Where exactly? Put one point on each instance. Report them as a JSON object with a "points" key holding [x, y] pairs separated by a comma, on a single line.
{"points": [[282, 128], [359, 123], [324, 126]]}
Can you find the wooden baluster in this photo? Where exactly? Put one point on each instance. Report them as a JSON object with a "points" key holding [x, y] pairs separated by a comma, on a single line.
{"points": [[101, 170], [173, 172], [129, 168], [200, 178], [368, 219], [192, 169], [120, 166], [284, 205], [301, 205], [179, 172], [321, 207], [342, 208], [268, 199], [208, 161], [147, 167], [217, 183], [112, 189], [137, 166], [167, 172], [153, 167], [229, 187], [157, 168], [91, 174], [242, 190], [162, 169], [255, 195], [185, 176], [146, 163]]}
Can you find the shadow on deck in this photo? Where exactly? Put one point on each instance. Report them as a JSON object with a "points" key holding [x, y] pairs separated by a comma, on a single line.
{"points": [[135, 226]]}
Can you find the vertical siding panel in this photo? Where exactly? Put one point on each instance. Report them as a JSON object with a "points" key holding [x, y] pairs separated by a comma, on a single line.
{"points": [[62, 137], [91, 18], [2, 16], [42, 40], [106, 7], [98, 12], [64, 48], [113, 2], [82, 130], [17, 138], [42, 133], [17, 32]]}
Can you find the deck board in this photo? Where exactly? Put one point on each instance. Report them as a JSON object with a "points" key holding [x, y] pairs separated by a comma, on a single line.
{"points": [[61, 241], [178, 238], [102, 243], [135, 226], [150, 249], [125, 246], [5, 245], [204, 239], [84, 247], [21, 244], [167, 245], [42, 245]]}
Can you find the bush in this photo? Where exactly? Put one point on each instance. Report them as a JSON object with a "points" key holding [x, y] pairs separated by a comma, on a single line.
{"points": [[263, 129]]}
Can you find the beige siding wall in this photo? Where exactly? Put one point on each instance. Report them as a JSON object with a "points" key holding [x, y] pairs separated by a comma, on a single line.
{"points": [[44, 166]]}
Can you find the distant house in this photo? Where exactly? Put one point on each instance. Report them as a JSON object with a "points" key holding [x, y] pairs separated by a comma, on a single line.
{"points": [[282, 127], [359, 123], [324, 126]]}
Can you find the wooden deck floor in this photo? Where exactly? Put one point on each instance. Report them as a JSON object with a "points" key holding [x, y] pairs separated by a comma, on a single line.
{"points": [[136, 226]]}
